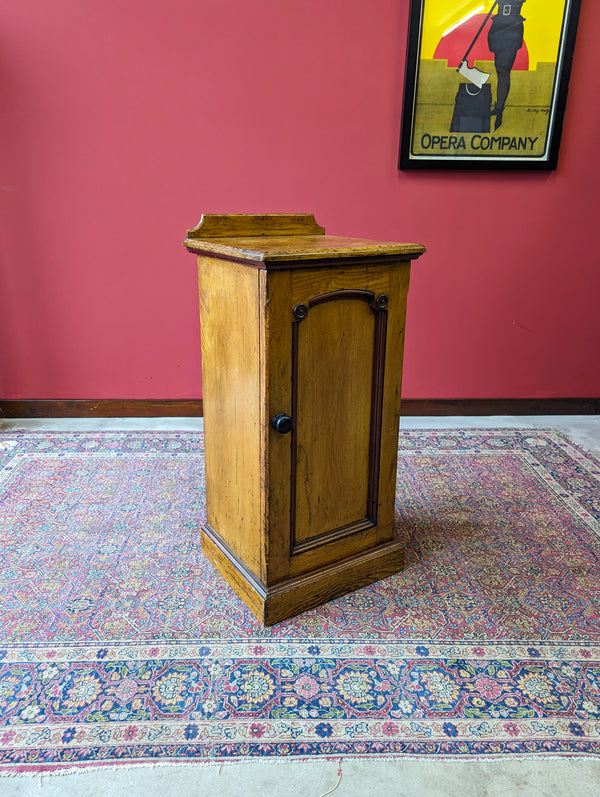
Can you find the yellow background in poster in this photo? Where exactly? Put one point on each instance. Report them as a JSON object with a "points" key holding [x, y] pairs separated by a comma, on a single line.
{"points": [[544, 19]]}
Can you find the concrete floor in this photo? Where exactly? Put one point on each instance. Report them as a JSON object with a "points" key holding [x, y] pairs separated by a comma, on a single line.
{"points": [[551, 777]]}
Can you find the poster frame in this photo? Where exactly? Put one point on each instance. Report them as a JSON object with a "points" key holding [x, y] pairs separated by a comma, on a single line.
{"points": [[547, 161]]}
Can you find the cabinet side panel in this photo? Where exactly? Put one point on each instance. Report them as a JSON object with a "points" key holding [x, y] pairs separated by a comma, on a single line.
{"points": [[400, 278], [229, 321]]}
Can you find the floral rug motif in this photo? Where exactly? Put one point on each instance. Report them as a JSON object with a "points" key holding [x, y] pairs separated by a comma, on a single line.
{"points": [[120, 643]]}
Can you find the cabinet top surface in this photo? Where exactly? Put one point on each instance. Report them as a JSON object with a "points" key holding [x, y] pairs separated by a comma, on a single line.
{"points": [[280, 238], [265, 249]]}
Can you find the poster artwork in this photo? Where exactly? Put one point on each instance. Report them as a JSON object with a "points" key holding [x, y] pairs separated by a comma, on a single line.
{"points": [[488, 81]]}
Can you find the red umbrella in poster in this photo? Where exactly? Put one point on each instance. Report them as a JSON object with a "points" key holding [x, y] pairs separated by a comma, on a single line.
{"points": [[465, 42]]}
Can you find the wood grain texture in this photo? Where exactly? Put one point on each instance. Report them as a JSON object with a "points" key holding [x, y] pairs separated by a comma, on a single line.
{"points": [[244, 583], [229, 312], [277, 353], [320, 586], [321, 515], [297, 518], [390, 413], [271, 605], [277, 250], [334, 378], [225, 225]]}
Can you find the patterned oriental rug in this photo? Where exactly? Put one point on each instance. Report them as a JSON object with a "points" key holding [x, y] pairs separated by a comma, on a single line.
{"points": [[120, 643]]}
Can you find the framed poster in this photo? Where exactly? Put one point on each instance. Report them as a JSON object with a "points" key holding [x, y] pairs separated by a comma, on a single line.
{"points": [[486, 83]]}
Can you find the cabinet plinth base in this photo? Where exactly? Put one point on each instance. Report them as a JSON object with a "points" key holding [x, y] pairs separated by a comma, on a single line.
{"points": [[286, 599]]}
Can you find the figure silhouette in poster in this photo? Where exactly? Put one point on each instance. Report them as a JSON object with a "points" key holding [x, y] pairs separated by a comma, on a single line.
{"points": [[505, 39]]}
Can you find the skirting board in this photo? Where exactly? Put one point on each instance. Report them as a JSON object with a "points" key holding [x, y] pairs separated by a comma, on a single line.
{"points": [[157, 408], [101, 408]]}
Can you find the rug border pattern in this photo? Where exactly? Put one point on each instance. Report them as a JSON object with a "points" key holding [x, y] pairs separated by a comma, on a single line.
{"points": [[45, 747]]}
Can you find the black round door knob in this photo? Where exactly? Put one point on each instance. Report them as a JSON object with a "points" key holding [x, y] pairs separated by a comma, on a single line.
{"points": [[282, 423]]}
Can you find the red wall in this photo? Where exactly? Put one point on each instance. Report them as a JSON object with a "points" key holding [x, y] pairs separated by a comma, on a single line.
{"points": [[123, 120]]}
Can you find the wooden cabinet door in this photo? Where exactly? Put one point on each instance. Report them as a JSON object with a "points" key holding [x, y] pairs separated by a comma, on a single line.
{"points": [[327, 370]]}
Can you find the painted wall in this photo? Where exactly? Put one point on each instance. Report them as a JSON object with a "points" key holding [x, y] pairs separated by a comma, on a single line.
{"points": [[123, 120]]}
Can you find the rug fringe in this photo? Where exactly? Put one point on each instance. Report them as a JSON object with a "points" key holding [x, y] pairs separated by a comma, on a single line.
{"points": [[283, 761]]}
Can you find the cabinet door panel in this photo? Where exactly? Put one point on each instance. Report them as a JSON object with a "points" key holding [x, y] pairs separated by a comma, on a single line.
{"points": [[332, 384], [325, 504], [327, 367]]}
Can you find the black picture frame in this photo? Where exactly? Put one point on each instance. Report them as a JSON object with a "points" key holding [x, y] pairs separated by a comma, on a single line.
{"points": [[453, 116]]}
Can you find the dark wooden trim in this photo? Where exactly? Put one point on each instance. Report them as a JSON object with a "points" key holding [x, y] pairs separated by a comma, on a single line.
{"points": [[101, 408], [500, 406], [309, 262], [379, 306], [345, 294], [299, 316], [380, 340], [327, 537], [192, 408]]}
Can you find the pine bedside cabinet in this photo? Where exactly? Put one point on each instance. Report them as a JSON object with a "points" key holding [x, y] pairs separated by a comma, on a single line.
{"points": [[302, 343]]}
